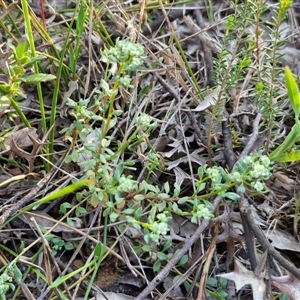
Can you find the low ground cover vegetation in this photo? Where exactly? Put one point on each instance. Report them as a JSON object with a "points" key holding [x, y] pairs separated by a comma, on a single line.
{"points": [[149, 150]]}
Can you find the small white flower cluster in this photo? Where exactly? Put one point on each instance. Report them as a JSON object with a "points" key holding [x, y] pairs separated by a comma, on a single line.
{"points": [[159, 228], [252, 170], [215, 175], [259, 168], [125, 80], [128, 54], [204, 212], [5, 284], [126, 184], [236, 177], [144, 120]]}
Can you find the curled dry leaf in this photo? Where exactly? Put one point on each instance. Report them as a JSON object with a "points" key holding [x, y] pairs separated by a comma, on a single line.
{"points": [[21, 138], [283, 181], [209, 100], [290, 285], [242, 276], [283, 240]]}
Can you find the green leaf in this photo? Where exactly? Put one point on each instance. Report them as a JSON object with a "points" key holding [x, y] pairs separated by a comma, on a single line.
{"points": [[40, 77], [156, 266], [161, 206], [17, 273], [241, 189], [162, 256], [152, 188], [201, 187], [118, 172], [176, 278], [21, 50], [183, 200], [60, 280], [147, 248], [200, 172], [49, 237], [19, 71], [80, 211], [212, 281], [68, 246], [168, 244], [113, 217], [128, 211], [176, 190], [223, 282], [293, 91], [64, 206], [138, 213], [139, 197], [58, 242], [288, 143], [167, 187], [79, 197], [70, 222], [36, 59], [175, 206], [184, 259], [98, 250], [231, 196], [163, 196], [291, 156], [221, 293], [80, 21]]}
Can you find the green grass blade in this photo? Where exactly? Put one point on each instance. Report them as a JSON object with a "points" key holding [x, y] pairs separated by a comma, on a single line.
{"points": [[293, 91], [288, 143], [19, 112], [65, 191], [35, 64], [288, 156]]}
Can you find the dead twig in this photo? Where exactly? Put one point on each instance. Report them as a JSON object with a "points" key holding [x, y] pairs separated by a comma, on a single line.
{"points": [[249, 147], [208, 258], [172, 263], [248, 236], [246, 211], [228, 150]]}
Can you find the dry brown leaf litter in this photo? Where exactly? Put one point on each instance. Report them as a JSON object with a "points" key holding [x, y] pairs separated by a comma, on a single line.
{"points": [[183, 146]]}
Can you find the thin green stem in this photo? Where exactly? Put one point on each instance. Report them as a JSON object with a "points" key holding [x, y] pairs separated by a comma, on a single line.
{"points": [[19, 112], [35, 64], [56, 93]]}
